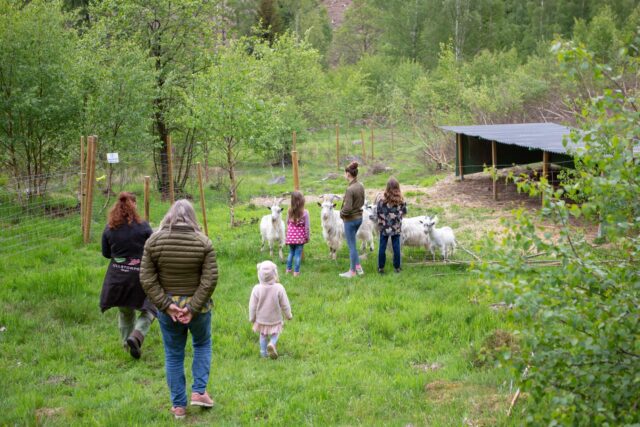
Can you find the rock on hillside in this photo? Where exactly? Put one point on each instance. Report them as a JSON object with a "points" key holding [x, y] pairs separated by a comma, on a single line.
{"points": [[336, 10]]}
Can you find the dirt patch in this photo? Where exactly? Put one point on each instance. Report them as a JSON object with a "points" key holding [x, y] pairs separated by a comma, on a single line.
{"points": [[483, 403], [43, 413]]}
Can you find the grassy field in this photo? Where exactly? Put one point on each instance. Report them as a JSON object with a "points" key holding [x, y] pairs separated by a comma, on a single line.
{"points": [[375, 350]]}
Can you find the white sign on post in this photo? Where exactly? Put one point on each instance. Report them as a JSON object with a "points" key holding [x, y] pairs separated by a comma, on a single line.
{"points": [[112, 158]]}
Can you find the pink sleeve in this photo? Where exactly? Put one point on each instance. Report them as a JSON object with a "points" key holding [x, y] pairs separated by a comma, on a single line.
{"points": [[307, 225]]}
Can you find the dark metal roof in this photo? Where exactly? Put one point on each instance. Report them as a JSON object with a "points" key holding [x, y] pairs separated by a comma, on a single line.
{"points": [[539, 136]]}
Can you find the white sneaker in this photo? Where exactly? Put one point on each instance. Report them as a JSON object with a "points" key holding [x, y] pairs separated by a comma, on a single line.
{"points": [[347, 274], [359, 271]]}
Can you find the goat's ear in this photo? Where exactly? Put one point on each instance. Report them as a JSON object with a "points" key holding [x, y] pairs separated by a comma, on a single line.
{"points": [[435, 219]]}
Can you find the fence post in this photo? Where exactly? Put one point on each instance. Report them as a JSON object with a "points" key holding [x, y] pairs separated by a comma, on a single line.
{"points": [[170, 168], [147, 180], [204, 210], [91, 177], [372, 151], [82, 181], [294, 161], [391, 138], [338, 146], [364, 152]]}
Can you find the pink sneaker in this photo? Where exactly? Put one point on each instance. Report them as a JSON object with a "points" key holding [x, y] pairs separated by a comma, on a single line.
{"points": [[203, 400], [287, 272], [179, 412]]}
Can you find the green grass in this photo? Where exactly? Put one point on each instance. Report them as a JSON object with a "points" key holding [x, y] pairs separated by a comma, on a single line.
{"points": [[353, 354]]}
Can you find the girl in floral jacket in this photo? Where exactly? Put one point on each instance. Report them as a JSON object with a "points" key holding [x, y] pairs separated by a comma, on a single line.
{"points": [[389, 212]]}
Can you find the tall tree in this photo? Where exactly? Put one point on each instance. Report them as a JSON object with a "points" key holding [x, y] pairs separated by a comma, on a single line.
{"points": [[234, 114], [177, 36], [39, 90]]}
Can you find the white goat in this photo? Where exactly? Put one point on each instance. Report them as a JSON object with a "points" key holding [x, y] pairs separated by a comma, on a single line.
{"points": [[413, 234], [272, 229], [442, 238], [368, 228], [332, 224]]}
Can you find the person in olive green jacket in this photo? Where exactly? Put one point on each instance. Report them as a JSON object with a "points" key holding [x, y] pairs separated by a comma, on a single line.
{"points": [[351, 214], [179, 274]]}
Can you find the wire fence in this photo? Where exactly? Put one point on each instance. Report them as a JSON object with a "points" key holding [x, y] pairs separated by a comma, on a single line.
{"points": [[37, 209]]}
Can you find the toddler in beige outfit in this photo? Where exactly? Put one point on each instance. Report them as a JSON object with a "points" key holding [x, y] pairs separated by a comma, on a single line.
{"points": [[267, 304]]}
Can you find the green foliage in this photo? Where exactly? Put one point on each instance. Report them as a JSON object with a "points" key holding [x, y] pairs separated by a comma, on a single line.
{"points": [[40, 98], [581, 317], [119, 82]]}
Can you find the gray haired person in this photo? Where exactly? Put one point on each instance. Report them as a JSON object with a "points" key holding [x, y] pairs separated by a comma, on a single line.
{"points": [[179, 274]]}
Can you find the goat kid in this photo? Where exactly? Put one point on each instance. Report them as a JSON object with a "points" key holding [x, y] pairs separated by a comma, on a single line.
{"points": [[442, 238]]}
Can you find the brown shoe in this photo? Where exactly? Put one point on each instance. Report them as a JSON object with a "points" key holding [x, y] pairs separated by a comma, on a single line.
{"points": [[179, 412], [134, 342], [203, 400]]}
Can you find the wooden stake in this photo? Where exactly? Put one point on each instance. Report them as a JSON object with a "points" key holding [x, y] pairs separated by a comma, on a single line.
{"points": [[460, 161], [494, 161], [91, 178], [147, 180], [202, 204], [392, 138], [294, 141], [372, 151], [296, 178], [338, 146], [82, 181], [170, 169], [364, 152], [545, 164]]}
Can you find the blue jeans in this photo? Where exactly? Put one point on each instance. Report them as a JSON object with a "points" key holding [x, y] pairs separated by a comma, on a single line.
{"points": [[295, 254], [174, 338], [350, 230], [382, 248]]}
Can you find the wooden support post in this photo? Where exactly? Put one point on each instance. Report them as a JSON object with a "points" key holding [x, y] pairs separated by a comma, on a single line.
{"points": [[91, 178], [364, 150], [460, 161], [372, 150], [82, 181], [293, 137], [545, 164], [147, 180], [296, 178], [338, 146], [170, 169], [202, 204], [494, 162]]}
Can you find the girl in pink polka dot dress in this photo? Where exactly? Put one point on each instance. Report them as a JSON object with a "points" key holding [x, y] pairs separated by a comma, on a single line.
{"points": [[297, 231]]}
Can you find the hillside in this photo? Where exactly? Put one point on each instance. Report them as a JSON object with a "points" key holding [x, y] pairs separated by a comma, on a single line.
{"points": [[336, 10]]}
